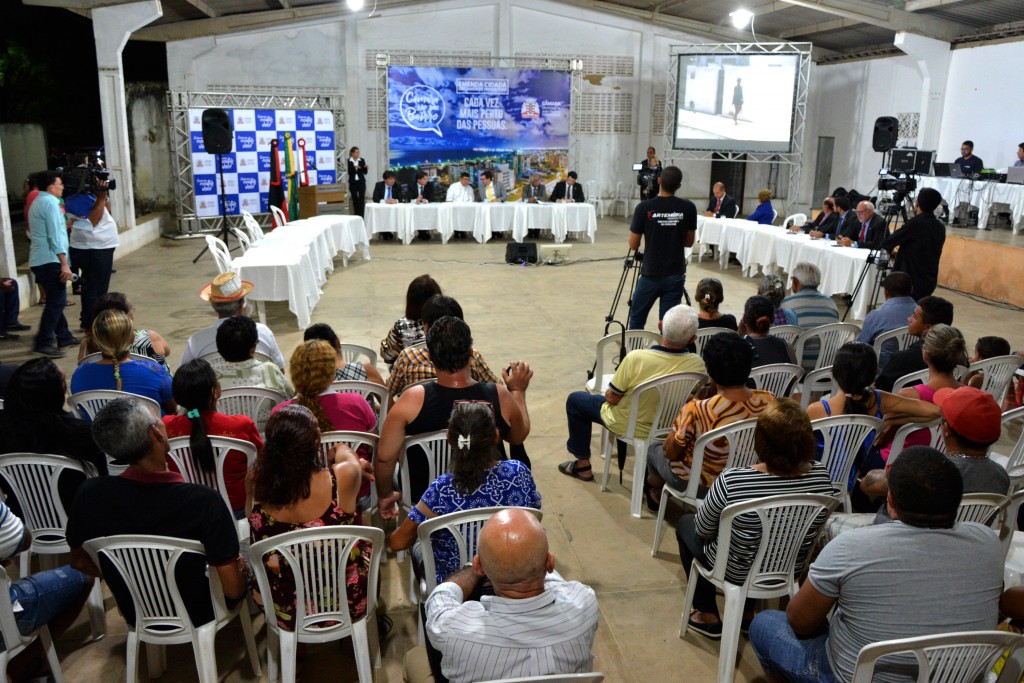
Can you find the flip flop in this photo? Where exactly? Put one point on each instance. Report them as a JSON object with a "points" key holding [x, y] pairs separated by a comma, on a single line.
{"points": [[571, 469]]}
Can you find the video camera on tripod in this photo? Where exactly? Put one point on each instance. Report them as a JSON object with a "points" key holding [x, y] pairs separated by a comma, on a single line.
{"points": [[647, 178]]}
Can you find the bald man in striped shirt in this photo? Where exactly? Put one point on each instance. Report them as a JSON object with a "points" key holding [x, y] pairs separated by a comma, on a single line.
{"points": [[536, 623]]}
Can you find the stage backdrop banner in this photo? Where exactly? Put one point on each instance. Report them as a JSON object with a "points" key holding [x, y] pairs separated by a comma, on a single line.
{"points": [[247, 167]]}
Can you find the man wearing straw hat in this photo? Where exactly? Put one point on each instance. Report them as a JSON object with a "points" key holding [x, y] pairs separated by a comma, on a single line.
{"points": [[226, 295]]}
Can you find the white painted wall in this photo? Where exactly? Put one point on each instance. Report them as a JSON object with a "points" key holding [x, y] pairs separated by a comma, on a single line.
{"points": [[24, 153]]}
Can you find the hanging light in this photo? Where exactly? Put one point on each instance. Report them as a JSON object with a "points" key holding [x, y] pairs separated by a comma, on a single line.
{"points": [[355, 5], [741, 17]]}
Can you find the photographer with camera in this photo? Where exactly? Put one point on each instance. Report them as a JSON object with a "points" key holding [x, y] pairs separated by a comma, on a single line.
{"points": [[667, 225], [917, 246], [648, 174], [93, 232]]}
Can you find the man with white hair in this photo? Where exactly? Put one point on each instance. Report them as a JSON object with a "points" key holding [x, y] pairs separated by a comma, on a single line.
{"points": [[812, 308], [583, 410], [866, 231]]}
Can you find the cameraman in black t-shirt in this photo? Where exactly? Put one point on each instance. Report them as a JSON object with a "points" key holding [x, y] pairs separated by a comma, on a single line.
{"points": [[668, 225]]}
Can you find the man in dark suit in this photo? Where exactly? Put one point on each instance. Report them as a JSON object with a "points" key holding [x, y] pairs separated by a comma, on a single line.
{"points": [[844, 219], [568, 190], [917, 246], [866, 231], [721, 204], [426, 192], [824, 223], [386, 192]]}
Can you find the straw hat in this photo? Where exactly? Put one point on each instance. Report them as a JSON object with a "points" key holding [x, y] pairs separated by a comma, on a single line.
{"points": [[225, 287]]}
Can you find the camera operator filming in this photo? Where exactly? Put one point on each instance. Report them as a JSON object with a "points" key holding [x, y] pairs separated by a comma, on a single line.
{"points": [[93, 231], [917, 246], [647, 173], [668, 225]]}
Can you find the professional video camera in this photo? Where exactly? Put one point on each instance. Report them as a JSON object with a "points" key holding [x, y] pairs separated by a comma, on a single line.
{"points": [[648, 178], [901, 182], [82, 179]]}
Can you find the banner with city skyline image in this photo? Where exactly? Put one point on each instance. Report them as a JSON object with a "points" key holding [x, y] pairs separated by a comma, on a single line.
{"points": [[514, 122]]}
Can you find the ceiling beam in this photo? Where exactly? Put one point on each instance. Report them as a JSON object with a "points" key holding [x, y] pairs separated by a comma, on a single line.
{"points": [[285, 4], [885, 17], [76, 4], [820, 27], [917, 5], [204, 8]]}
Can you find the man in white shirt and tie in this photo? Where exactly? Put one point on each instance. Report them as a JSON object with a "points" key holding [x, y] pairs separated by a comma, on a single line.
{"points": [[490, 191], [460, 192]]}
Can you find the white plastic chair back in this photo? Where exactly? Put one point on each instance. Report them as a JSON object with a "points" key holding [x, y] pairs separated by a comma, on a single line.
{"points": [[367, 390], [911, 378], [253, 402], [353, 439], [354, 353], [438, 454], [181, 455], [998, 373], [317, 558], [950, 658], [243, 238], [219, 252], [787, 522], [595, 677], [609, 352], [279, 217], [594, 197], [708, 333], [213, 358], [900, 335], [816, 384], [788, 333], [775, 215], [796, 219], [830, 338], [844, 438], [984, 508], [88, 403], [621, 195], [252, 226], [96, 357], [1015, 460], [14, 642], [899, 439], [780, 379]]}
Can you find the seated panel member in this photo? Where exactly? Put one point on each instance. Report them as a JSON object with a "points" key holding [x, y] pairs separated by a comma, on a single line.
{"points": [[824, 223], [490, 191], [568, 190], [426, 192], [460, 193], [386, 192], [968, 163], [865, 232], [721, 205]]}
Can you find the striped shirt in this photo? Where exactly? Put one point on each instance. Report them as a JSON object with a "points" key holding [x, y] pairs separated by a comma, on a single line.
{"points": [[551, 633], [812, 308], [741, 484], [12, 533], [700, 416], [414, 365]]}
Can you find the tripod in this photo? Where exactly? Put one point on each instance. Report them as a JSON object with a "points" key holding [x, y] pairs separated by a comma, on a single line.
{"points": [[224, 231], [878, 256]]}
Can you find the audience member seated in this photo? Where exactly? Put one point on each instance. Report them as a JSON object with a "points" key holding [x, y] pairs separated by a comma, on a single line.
{"points": [[10, 307], [925, 576], [773, 287], [226, 295], [784, 444], [146, 343], [149, 499], [408, 329], [293, 488], [196, 390], [709, 297], [478, 478], [536, 623], [34, 420], [415, 364], [114, 334], [891, 315], [986, 347], [756, 323], [427, 408], [312, 370], [930, 310], [812, 308], [343, 370], [237, 366], [764, 214], [6, 371], [728, 359], [583, 410]]}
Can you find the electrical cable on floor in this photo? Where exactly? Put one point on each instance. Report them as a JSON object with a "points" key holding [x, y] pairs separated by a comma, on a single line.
{"points": [[982, 300]]}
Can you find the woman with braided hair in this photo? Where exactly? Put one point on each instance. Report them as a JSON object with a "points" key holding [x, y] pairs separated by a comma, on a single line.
{"points": [[478, 478], [312, 369], [113, 332]]}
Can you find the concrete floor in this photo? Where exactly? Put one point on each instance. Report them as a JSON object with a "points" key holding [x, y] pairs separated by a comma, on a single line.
{"points": [[551, 317]]}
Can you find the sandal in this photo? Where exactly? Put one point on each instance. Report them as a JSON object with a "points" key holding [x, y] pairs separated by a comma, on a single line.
{"points": [[384, 626], [652, 504], [572, 469], [712, 631]]}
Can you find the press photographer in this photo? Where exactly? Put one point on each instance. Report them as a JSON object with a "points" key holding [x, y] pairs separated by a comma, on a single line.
{"points": [[93, 230]]}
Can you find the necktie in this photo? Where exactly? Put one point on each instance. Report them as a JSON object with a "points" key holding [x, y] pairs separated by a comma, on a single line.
{"points": [[387, 192], [419, 191], [718, 206], [863, 232], [490, 193]]}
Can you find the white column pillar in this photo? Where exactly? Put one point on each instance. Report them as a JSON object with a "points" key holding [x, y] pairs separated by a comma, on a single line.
{"points": [[8, 267], [112, 27], [932, 59]]}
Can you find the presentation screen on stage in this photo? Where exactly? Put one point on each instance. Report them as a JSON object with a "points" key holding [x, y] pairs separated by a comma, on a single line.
{"points": [[247, 167], [513, 122], [736, 102]]}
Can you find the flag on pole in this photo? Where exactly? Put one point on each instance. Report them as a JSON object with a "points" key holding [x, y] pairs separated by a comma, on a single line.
{"points": [[292, 174], [276, 192]]}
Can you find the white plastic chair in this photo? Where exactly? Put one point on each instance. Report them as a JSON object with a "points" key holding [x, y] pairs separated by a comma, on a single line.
{"points": [[34, 479], [147, 565], [219, 252], [96, 357], [779, 379], [214, 358], [830, 337], [279, 217], [900, 335], [815, 385], [595, 677], [593, 197], [14, 642], [787, 333], [911, 378], [438, 453], [998, 373], [610, 350], [1013, 569], [988, 509], [88, 403], [181, 455], [844, 438], [354, 439], [317, 558], [668, 394], [632, 199], [739, 438], [621, 196], [252, 227], [1015, 459], [962, 657], [243, 238], [935, 439], [367, 390], [253, 402], [354, 353], [787, 522], [796, 219], [707, 333]]}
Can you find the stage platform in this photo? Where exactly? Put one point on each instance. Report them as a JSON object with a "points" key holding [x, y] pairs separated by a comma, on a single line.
{"points": [[986, 263]]}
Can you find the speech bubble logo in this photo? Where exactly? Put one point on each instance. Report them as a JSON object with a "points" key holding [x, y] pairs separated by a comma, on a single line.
{"points": [[422, 108]]}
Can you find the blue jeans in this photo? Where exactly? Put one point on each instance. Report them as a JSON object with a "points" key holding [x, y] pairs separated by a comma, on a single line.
{"points": [[96, 265], [783, 654], [52, 324], [10, 307], [46, 595], [668, 290], [582, 410]]}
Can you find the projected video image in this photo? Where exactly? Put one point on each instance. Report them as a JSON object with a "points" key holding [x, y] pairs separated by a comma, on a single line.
{"points": [[736, 102]]}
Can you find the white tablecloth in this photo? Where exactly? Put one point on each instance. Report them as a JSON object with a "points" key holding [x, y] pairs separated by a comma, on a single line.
{"points": [[483, 220], [349, 234], [982, 194], [769, 247]]}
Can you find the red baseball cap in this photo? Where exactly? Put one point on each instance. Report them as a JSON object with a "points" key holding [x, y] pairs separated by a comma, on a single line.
{"points": [[973, 414]]}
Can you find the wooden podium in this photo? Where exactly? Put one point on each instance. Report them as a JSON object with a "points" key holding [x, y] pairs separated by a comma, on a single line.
{"points": [[320, 199]]}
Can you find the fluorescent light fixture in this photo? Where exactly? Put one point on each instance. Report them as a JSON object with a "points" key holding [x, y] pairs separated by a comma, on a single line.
{"points": [[355, 5], [741, 17]]}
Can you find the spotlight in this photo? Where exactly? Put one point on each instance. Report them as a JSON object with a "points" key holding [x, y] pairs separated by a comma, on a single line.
{"points": [[741, 17], [383, 59], [355, 5]]}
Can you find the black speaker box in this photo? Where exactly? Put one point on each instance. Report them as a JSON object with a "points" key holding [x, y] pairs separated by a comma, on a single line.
{"points": [[217, 135], [887, 132], [521, 252]]}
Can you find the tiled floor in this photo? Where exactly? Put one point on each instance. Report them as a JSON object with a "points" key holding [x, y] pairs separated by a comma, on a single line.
{"points": [[551, 317]]}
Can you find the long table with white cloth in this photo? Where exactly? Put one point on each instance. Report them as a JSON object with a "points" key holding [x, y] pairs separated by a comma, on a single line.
{"points": [[482, 219], [982, 194], [291, 263], [770, 247]]}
